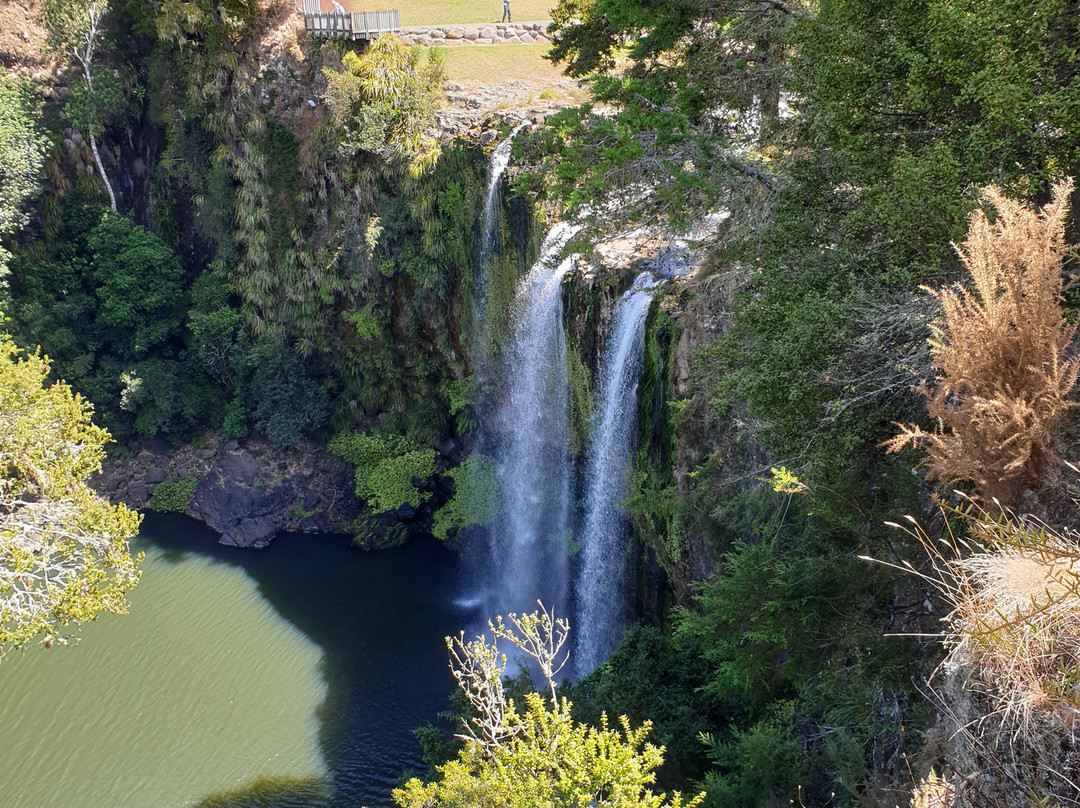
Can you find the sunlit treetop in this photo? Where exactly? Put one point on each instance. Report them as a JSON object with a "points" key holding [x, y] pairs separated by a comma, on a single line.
{"points": [[64, 555]]}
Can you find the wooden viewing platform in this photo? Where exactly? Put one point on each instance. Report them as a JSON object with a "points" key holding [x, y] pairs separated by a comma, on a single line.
{"points": [[349, 24]]}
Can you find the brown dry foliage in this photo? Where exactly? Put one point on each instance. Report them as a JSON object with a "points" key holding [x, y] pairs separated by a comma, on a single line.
{"points": [[1001, 354], [1014, 588], [933, 792]]}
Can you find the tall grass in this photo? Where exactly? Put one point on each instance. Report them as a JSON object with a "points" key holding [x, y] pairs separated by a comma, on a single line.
{"points": [[1013, 585]]}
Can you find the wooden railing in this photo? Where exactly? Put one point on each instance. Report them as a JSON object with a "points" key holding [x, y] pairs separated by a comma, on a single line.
{"points": [[349, 25]]}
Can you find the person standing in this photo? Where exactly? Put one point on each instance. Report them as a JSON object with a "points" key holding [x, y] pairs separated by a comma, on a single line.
{"points": [[506, 11]]}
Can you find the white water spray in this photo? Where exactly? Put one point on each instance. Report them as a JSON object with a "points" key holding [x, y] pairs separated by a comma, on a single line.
{"points": [[497, 165], [532, 444], [604, 594]]}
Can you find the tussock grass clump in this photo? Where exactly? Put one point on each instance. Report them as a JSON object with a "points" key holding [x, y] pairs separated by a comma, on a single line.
{"points": [[1001, 354], [1014, 588], [933, 792]]}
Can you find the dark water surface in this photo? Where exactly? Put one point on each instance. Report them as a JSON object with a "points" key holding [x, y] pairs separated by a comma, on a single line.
{"points": [[287, 677]]}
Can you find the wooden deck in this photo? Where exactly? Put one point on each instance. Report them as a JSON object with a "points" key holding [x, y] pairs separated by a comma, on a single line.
{"points": [[350, 24]]}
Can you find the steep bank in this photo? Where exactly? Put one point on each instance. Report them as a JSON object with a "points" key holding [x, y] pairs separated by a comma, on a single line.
{"points": [[245, 493]]}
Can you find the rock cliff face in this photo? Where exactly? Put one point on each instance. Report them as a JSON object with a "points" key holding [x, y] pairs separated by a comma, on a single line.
{"points": [[246, 493]]}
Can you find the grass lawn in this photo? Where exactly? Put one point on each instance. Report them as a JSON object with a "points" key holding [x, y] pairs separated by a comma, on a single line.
{"points": [[500, 61], [438, 12]]}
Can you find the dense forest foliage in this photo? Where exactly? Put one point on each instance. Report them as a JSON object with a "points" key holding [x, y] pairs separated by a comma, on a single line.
{"points": [[302, 270]]}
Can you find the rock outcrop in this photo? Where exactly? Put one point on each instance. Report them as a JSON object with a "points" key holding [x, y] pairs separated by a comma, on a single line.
{"points": [[246, 493]]}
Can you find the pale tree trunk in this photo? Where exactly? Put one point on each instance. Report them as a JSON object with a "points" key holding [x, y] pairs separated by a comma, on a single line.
{"points": [[86, 59], [101, 170]]}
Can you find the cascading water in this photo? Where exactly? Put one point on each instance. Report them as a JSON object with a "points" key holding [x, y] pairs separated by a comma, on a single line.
{"points": [[603, 590], [497, 165], [531, 443], [478, 560]]}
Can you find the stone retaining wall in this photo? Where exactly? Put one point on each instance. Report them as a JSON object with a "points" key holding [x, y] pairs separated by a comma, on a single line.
{"points": [[501, 33]]}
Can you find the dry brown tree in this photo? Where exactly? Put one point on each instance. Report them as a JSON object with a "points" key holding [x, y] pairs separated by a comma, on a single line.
{"points": [[1002, 354]]}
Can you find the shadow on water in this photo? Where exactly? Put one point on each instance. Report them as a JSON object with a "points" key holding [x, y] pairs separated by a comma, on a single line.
{"points": [[380, 619], [271, 792]]}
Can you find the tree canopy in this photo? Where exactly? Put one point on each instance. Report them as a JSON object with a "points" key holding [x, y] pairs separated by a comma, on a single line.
{"points": [[539, 757], [64, 554]]}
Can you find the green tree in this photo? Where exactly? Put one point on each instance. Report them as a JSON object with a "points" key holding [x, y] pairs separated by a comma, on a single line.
{"points": [[137, 283], [275, 392], [74, 29], [385, 100], [64, 554], [696, 95], [538, 757], [107, 306]]}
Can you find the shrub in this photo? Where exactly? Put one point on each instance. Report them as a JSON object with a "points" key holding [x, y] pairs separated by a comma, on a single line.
{"points": [[521, 758], [1001, 354], [386, 466], [173, 496], [476, 496]]}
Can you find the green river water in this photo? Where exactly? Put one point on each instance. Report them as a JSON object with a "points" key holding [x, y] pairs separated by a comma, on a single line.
{"points": [[288, 677]]}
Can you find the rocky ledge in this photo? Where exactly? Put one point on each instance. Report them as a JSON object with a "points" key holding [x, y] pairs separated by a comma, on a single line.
{"points": [[493, 33], [245, 492], [481, 111]]}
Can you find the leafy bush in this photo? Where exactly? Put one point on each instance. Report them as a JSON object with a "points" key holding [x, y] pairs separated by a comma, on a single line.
{"points": [[758, 765], [137, 283], [476, 496], [538, 755], [384, 100], [461, 393], [651, 678], [386, 466], [173, 495]]}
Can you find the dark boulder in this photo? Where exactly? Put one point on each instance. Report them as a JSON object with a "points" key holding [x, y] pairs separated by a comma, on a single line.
{"points": [[255, 532], [155, 475], [223, 501]]}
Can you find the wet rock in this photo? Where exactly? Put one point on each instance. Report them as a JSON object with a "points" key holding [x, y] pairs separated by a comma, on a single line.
{"points": [[255, 532], [239, 468], [223, 504], [448, 447], [301, 488], [136, 495], [155, 475]]}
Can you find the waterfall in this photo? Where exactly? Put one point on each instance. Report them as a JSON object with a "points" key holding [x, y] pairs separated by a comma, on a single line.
{"points": [[603, 596], [497, 165], [530, 439]]}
